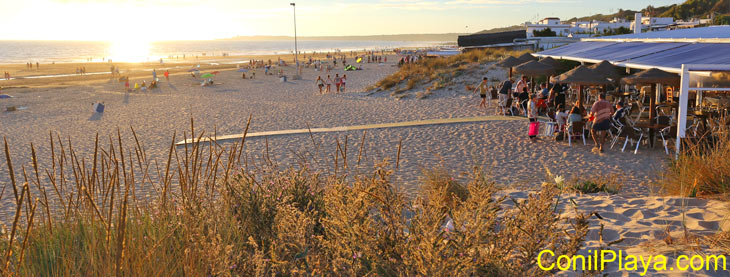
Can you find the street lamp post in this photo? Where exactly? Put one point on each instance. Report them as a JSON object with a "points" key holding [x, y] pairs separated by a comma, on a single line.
{"points": [[296, 49]]}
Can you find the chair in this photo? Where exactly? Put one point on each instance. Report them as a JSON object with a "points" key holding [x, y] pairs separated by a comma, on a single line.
{"points": [[575, 129], [523, 107], [508, 106], [665, 132], [615, 131], [668, 132], [550, 127]]}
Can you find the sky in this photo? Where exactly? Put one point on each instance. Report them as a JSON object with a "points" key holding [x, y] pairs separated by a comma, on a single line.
{"points": [[149, 20]]}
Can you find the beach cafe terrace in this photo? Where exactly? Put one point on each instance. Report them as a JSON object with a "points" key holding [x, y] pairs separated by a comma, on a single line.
{"points": [[686, 78]]}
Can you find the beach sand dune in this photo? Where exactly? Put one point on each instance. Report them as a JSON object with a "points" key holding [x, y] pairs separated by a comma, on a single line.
{"points": [[636, 215]]}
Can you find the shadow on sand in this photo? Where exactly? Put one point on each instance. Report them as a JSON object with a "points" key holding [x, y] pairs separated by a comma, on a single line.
{"points": [[96, 116]]}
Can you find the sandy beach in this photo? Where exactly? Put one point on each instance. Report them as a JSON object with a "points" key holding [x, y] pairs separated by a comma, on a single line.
{"points": [[637, 214]]}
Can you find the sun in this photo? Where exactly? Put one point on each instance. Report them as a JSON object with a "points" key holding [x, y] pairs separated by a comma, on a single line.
{"points": [[129, 50]]}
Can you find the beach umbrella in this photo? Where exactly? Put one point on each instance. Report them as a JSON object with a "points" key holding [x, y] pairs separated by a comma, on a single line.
{"points": [[207, 75], [652, 76], [242, 70], [509, 62], [582, 75], [551, 62], [526, 58], [534, 68], [5, 96], [608, 70]]}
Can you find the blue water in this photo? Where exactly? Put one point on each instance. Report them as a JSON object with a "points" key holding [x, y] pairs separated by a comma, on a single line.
{"points": [[76, 51]]}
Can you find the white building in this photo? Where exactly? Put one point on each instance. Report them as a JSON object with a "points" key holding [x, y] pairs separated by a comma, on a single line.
{"points": [[655, 23], [561, 30]]}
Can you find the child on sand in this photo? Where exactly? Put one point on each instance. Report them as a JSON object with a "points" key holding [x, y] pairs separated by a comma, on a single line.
{"points": [[167, 75], [482, 87]]}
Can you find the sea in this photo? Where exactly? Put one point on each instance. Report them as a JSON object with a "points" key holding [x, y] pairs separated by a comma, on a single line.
{"points": [[84, 51]]}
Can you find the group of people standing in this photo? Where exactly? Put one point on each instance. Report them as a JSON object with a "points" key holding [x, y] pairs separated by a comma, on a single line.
{"points": [[408, 59], [6, 76], [325, 85], [29, 65]]}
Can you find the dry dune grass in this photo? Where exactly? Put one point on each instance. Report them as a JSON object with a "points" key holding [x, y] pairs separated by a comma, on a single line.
{"points": [[216, 214], [703, 169], [441, 69]]}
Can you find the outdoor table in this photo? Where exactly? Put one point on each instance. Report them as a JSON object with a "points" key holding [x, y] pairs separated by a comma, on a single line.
{"points": [[652, 130]]}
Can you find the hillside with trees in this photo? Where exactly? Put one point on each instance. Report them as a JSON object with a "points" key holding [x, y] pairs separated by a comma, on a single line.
{"points": [[719, 9]]}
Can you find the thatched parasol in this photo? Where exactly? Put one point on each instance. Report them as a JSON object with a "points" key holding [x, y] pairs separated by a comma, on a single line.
{"points": [[582, 75], [526, 58], [608, 70], [509, 62], [534, 68], [551, 62], [652, 76]]}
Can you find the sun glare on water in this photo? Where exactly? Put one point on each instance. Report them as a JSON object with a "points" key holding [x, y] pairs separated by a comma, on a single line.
{"points": [[129, 50]]}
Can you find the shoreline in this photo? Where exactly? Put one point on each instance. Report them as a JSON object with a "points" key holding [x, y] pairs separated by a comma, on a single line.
{"points": [[63, 74]]}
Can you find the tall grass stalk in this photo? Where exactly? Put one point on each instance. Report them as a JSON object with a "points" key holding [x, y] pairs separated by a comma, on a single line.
{"points": [[211, 215]]}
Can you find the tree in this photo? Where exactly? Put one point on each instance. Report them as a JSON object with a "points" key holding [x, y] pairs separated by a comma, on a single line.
{"points": [[618, 31], [544, 33], [722, 20]]}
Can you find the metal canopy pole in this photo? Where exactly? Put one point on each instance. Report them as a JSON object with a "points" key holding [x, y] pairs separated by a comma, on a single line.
{"points": [[683, 109]]}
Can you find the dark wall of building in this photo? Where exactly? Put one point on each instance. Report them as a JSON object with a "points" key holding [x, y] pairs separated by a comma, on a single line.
{"points": [[489, 39]]}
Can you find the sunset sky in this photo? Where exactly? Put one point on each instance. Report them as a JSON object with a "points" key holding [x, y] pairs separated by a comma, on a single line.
{"points": [[197, 19]]}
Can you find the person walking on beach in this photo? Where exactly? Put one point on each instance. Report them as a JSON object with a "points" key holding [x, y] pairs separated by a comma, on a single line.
{"points": [[344, 82], [328, 82], [154, 74], [320, 83], [482, 87], [167, 75], [338, 83], [601, 113], [126, 85]]}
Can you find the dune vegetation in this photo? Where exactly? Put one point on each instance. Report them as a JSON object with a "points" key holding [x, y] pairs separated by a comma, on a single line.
{"points": [[213, 213]]}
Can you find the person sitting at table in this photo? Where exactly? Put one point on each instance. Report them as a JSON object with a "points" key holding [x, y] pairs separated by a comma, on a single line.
{"points": [[620, 111], [544, 91], [561, 117], [575, 114], [523, 97]]}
